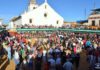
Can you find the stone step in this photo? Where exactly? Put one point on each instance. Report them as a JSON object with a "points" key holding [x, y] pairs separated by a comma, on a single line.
{"points": [[2, 59], [3, 62]]}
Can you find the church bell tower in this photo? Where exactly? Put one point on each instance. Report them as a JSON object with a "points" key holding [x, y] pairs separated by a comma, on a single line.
{"points": [[32, 5]]}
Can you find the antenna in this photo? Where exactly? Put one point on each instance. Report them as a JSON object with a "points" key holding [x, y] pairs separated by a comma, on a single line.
{"points": [[32, 1], [45, 1], [94, 4], [85, 13]]}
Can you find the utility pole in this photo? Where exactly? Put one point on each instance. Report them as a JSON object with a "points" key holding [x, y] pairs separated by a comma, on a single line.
{"points": [[85, 13]]}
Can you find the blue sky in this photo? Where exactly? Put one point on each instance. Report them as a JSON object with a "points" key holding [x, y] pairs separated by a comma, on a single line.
{"points": [[70, 10]]}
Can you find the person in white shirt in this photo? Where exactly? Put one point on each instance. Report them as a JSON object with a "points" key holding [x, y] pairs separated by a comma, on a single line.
{"points": [[44, 55], [50, 51], [16, 57]]}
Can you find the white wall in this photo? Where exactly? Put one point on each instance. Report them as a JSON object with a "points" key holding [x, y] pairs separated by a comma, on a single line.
{"points": [[17, 22], [10, 25], [86, 23], [37, 16], [95, 19], [32, 6]]}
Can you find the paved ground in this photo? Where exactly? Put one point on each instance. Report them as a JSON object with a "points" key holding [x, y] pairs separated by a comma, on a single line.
{"points": [[83, 64]]}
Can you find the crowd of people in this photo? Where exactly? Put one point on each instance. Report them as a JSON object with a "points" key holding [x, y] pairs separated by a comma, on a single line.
{"points": [[33, 26], [68, 26], [59, 51]]}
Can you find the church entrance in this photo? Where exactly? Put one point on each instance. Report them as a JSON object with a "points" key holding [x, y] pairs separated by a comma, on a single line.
{"points": [[93, 23]]}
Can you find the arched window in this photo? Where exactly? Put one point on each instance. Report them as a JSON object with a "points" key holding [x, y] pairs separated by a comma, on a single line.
{"points": [[45, 14], [93, 23], [30, 20], [34, 7], [45, 6], [57, 22]]}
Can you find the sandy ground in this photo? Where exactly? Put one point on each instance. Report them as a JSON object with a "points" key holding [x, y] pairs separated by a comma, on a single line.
{"points": [[83, 63], [11, 66]]}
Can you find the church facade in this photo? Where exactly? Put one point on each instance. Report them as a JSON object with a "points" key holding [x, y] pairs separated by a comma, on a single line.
{"points": [[43, 15]]}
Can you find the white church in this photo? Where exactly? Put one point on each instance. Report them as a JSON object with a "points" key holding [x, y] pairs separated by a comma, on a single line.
{"points": [[43, 15]]}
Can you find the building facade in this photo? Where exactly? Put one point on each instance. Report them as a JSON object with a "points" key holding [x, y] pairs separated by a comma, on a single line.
{"points": [[43, 15], [94, 18]]}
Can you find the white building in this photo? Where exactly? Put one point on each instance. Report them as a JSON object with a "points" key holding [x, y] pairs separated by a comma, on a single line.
{"points": [[94, 18], [39, 16], [1, 21]]}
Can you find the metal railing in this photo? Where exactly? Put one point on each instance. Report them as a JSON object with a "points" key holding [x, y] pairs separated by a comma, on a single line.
{"points": [[57, 29]]}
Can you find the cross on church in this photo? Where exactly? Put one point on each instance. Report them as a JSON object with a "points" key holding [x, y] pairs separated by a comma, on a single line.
{"points": [[45, 1], [32, 1]]}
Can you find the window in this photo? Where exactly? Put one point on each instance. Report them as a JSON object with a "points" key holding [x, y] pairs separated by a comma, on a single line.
{"points": [[45, 14], [57, 22], [30, 20], [99, 22], [34, 8], [45, 6], [93, 23]]}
